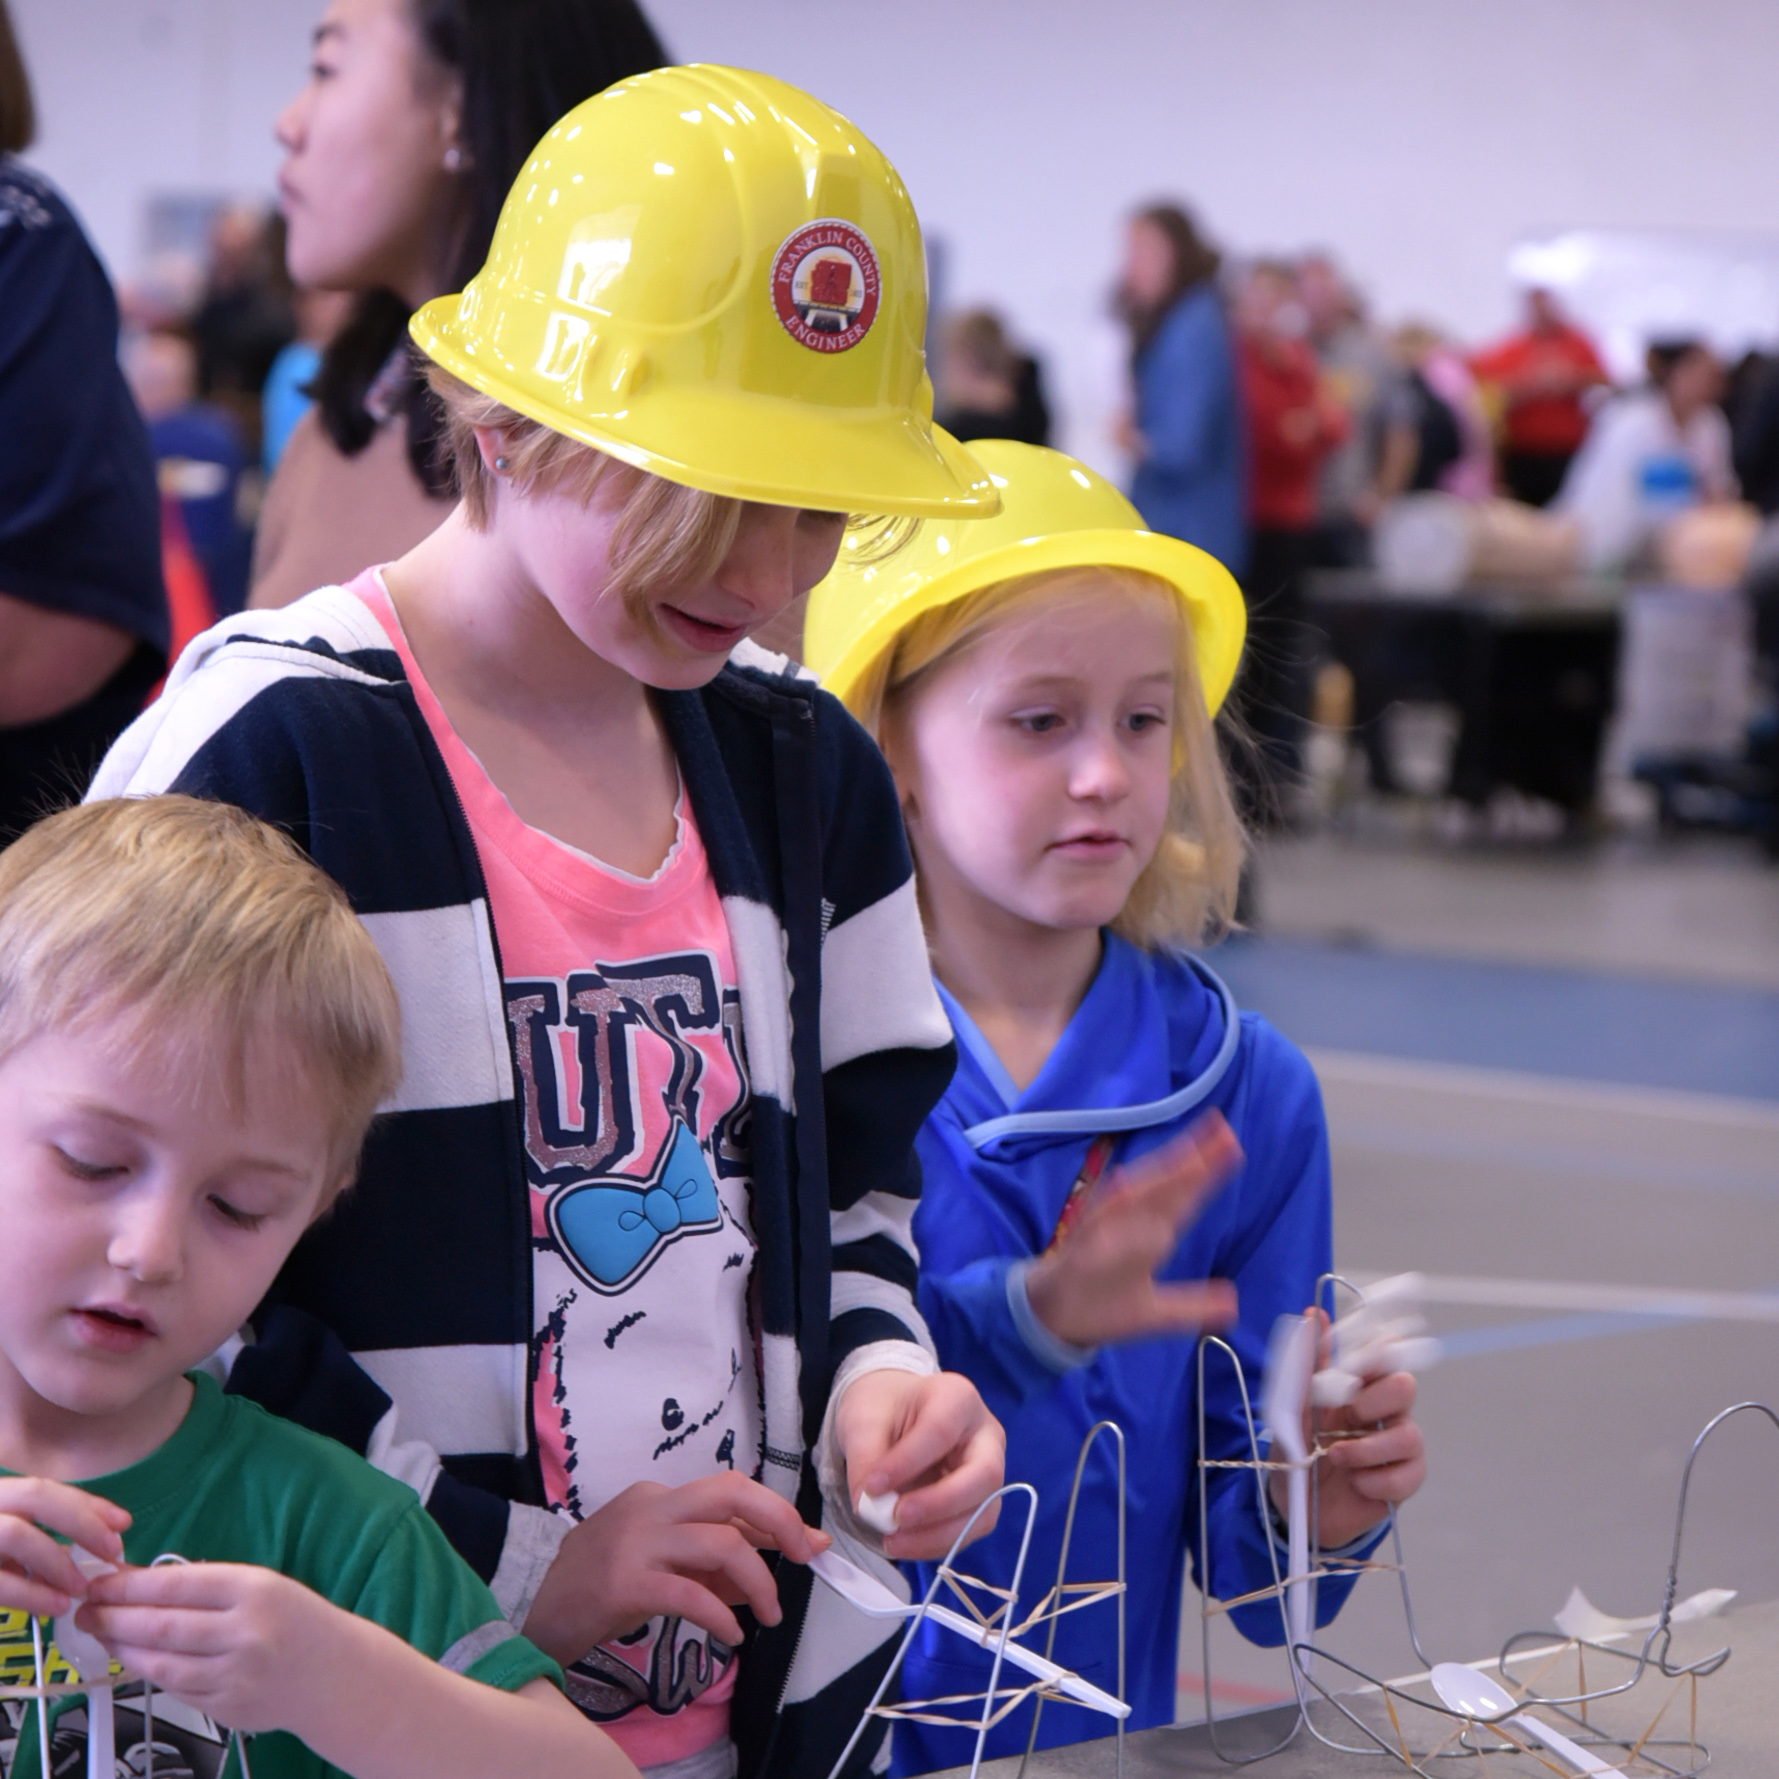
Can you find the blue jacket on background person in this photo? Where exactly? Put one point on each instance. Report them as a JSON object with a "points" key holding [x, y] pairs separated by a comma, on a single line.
{"points": [[1156, 1043], [1192, 480]]}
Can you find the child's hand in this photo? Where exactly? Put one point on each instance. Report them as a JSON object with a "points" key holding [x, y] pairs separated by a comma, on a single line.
{"points": [[691, 1551], [1098, 1284], [251, 1648], [932, 1441], [37, 1575], [1360, 1478]]}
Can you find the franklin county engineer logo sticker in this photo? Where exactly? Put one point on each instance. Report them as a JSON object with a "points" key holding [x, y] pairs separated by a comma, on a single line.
{"points": [[825, 285]]}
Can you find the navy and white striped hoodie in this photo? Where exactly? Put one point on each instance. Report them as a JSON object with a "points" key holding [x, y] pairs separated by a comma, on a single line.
{"points": [[401, 1324]]}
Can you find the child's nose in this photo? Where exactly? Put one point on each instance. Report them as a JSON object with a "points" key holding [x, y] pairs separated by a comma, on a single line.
{"points": [[759, 566], [148, 1241], [1099, 770]]}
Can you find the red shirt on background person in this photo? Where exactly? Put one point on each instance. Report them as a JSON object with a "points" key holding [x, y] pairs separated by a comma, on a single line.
{"points": [[1541, 375], [1292, 424]]}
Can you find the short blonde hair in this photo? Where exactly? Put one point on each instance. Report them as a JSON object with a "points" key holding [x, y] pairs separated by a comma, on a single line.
{"points": [[200, 927], [1186, 894], [667, 533]]}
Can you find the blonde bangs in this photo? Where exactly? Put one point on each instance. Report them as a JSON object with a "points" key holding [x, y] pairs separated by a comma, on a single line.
{"points": [[196, 929], [1186, 894]]}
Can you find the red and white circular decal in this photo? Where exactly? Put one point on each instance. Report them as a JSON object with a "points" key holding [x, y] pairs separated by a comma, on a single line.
{"points": [[826, 284]]}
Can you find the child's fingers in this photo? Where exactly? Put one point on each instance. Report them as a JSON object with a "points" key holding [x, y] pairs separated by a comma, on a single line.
{"points": [[767, 1519], [183, 1677], [682, 1597], [84, 1519], [1390, 1483], [1386, 1398], [1177, 1178], [24, 1593], [1185, 1309], [174, 1630], [203, 1587], [947, 1412], [926, 1544], [1396, 1443], [979, 1470], [719, 1554]]}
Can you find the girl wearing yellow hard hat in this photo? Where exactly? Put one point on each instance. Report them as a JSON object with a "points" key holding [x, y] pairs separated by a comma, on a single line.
{"points": [[1117, 1134], [626, 1287]]}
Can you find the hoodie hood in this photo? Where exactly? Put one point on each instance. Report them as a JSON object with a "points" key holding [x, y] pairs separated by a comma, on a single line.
{"points": [[1151, 1039]]}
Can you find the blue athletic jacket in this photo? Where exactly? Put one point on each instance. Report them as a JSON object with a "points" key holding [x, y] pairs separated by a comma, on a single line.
{"points": [[1155, 1044]]}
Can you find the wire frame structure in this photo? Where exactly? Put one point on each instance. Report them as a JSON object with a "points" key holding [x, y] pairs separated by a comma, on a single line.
{"points": [[1359, 1713], [996, 1611], [103, 1714]]}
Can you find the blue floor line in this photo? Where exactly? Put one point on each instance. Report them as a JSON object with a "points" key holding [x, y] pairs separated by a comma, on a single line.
{"points": [[1475, 1343], [1575, 1024]]}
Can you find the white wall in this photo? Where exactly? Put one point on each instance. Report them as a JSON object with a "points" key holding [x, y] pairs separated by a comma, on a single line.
{"points": [[1416, 138]]}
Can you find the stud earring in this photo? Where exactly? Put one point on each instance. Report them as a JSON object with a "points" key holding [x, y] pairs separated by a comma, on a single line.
{"points": [[500, 463], [453, 159]]}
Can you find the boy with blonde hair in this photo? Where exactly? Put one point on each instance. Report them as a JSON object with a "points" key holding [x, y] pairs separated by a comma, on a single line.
{"points": [[195, 1031]]}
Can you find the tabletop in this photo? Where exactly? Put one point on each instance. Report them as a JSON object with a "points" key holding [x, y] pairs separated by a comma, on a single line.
{"points": [[1738, 1721]]}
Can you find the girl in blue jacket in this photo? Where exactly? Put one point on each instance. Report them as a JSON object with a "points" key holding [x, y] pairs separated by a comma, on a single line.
{"points": [[1117, 1133]]}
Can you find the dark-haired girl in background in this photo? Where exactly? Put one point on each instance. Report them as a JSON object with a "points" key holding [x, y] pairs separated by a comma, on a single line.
{"points": [[417, 116]]}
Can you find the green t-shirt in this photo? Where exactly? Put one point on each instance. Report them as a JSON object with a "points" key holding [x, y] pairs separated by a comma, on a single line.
{"points": [[237, 1485]]}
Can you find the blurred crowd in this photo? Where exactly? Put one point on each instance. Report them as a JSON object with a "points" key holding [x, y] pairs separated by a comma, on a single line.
{"points": [[1272, 420], [219, 350]]}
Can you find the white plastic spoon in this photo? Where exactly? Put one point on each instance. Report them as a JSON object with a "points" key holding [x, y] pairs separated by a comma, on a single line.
{"points": [[92, 1660], [1290, 1359], [1486, 1701], [872, 1598]]}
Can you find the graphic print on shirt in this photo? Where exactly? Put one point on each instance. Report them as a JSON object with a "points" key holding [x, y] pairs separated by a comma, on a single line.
{"points": [[635, 1098], [187, 1744]]}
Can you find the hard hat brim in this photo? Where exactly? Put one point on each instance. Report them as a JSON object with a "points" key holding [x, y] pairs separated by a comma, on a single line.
{"points": [[804, 457], [1214, 605]]}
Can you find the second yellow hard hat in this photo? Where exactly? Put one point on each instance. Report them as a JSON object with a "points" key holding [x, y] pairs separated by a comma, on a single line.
{"points": [[1056, 513], [712, 276]]}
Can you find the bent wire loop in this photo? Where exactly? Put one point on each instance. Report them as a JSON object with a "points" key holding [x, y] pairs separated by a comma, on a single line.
{"points": [[1003, 1619], [1459, 1736]]}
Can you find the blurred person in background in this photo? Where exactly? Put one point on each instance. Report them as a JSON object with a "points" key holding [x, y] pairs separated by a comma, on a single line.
{"points": [[1752, 404], [286, 398], [1436, 430], [988, 389], [83, 611], [1358, 369], [417, 117], [201, 459], [245, 318], [1185, 432], [1536, 381], [1651, 455], [1295, 422]]}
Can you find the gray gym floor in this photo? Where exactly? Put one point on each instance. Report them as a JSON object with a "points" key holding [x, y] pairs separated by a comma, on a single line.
{"points": [[1603, 1253]]}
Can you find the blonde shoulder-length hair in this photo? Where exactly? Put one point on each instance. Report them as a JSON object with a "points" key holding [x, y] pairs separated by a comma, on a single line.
{"points": [[1186, 894]]}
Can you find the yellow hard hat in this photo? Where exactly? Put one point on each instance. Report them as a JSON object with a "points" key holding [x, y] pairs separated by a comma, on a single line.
{"points": [[710, 275], [1055, 513]]}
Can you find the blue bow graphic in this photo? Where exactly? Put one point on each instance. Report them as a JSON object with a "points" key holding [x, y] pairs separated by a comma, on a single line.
{"points": [[612, 1234]]}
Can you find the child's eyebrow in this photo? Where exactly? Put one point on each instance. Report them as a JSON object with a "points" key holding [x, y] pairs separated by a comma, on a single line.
{"points": [[1038, 681]]}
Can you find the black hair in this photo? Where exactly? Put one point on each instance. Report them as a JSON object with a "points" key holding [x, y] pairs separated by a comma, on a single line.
{"points": [[523, 64], [1662, 357], [18, 115]]}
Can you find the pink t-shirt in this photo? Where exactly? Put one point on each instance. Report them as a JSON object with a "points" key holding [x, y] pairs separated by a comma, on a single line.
{"points": [[622, 997]]}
